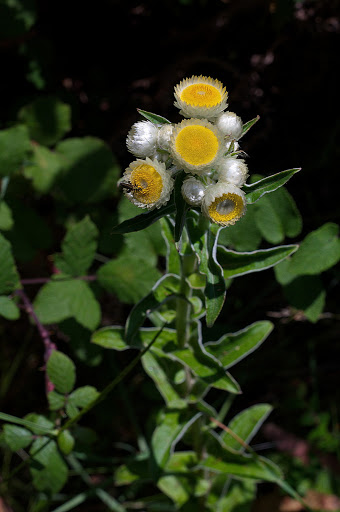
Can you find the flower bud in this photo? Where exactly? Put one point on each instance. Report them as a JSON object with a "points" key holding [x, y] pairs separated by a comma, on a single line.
{"points": [[142, 138], [230, 125], [233, 170], [164, 134], [193, 191]]}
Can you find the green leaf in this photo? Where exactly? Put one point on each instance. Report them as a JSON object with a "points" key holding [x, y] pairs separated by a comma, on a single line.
{"points": [[8, 308], [6, 218], [180, 205], [80, 398], [79, 248], [110, 337], [45, 165], [166, 288], [17, 437], [56, 401], [129, 277], [144, 220], [154, 118], [285, 207], [16, 18], [268, 221], [47, 119], [9, 278], [249, 124], [245, 425], [307, 294], [89, 170], [239, 263], [61, 371], [67, 298], [36, 423], [65, 442], [173, 260], [48, 469], [269, 184], [231, 348], [242, 236], [14, 148]]}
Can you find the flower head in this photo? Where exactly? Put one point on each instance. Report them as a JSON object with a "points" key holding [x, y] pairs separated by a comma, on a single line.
{"points": [[233, 170], [224, 203], [196, 145], [200, 96], [230, 125], [142, 139], [193, 191], [147, 184]]}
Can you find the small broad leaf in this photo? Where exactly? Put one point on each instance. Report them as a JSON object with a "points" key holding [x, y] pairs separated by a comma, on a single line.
{"points": [[43, 169], [9, 278], [56, 400], [65, 442], [83, 396], [17, 437], [269, 184], [268, 220], [144, 220], [8, 308], [79, 248], [154, 118], [244, 235], [245, 425], [231, 348], [14, 148], [239, 263], [48, 469], [6, 217], [180, 482], [61, 371], [47, 118]]}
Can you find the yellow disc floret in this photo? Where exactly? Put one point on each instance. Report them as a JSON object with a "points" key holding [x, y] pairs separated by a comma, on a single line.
{"points": [[224, 203], [201, 97], [147, 184], [196, 145]]}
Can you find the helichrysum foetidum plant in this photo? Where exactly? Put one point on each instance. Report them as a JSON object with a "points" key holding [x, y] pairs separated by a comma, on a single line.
{"points": [[204, 145]]}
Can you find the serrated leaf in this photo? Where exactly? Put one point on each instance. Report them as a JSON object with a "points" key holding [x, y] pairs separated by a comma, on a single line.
{"points": [[8, 308], [61, 371], [269, 184], [144, 220], [90, 171], [47, 118], [14, 148], [79, 248], [245, 425], [67, 298], [9, 278], [154, 118], [239, 263], [17, 437], [231, 348], [83, 396], [48, 469], [56, 401]]}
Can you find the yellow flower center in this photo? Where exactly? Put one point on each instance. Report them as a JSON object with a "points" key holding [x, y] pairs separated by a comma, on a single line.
{"points": [[226, 208], [147, 183], [202, 95], [197, 144]]}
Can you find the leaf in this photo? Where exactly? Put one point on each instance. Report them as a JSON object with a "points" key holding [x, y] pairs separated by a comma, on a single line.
{"points": [[231, 348], [9, 278], [307, 294], [65, 442], [48, 469], [80, 398], [269, 184], [173, 260], [89, 170], [6, 217], [154, 118], [180, 205], [67, 298], [268, 220], [61, 371], [179, 479], [110, 337], [79, 248], [144, 220], [8, 308], [285, 207], [34, 422], [240, 263], [43, 169], [129, 277], [163, 290], [249, 124], [17, 437], [56, 401], [245, 425], [14, 148], [47, 118]]}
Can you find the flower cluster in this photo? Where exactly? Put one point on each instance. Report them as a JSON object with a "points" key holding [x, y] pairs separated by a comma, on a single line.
{"points": [[205, 145]]}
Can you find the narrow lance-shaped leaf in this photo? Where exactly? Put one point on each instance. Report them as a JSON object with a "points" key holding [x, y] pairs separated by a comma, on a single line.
{"points": [[154, 118], [239, 263], [269, 184], [248, 125]]}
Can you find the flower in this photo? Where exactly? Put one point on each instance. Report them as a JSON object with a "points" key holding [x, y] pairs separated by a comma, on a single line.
{"points": [[233, 170], [223, 203], [196, 145], [200, 97], [147, 184], [142, 139], [230, 125], [193, 191], [164, 135]]}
